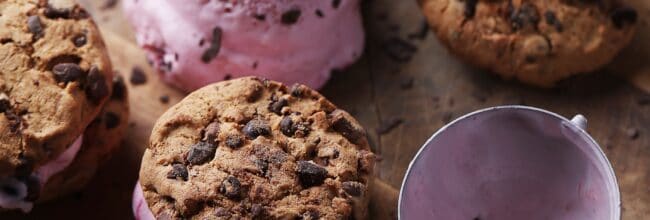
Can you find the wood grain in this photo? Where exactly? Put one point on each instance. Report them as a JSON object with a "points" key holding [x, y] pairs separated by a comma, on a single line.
{"points": [[423, 92]]}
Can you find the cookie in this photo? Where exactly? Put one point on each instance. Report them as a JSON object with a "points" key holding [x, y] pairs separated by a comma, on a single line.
{"points": [[252, 148], [536, 42], [55, 77]]}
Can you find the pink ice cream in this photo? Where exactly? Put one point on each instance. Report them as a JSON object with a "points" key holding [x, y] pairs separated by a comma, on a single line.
{"points": [[195, 43], [140, 208], [17, 200]]}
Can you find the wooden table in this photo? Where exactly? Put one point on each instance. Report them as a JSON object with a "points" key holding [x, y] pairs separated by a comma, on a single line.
{"points": [[404, 88]]}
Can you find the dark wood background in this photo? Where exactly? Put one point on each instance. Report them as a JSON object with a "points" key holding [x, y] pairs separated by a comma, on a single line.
{"points": [[404, 88]]}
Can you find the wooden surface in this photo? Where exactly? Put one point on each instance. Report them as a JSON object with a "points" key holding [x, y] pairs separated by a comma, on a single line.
{"points": [[417, 90]]}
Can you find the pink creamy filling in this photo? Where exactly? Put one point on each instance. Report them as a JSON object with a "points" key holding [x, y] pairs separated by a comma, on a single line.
{"points": [[140, 207], [16, 201]]}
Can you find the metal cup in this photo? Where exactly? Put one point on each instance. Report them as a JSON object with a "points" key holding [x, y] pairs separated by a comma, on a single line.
{"points": [[510, 162]]}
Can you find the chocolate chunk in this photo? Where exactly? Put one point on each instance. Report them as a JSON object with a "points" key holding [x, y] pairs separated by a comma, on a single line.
{"points": [[119, 88], [291, 17], [138, 76], [35, 26], [234, 141], [336, 3], [222, 212], [5, 104], [112, 120], [276, 105], [211, 132], [230, 187], [33, 188], [96, 88], [343, 125], [257, 127], [54, 13], [310, 174], [286, 126], [353, 188], [192, 207], [389, 125], [399, 50], [551, 19], [178, 172], [67, 72], [527, 14], [470, 8], [79, 40], [201, 153], [164, 99], [623, 15], [215, 46], [257, 210]]}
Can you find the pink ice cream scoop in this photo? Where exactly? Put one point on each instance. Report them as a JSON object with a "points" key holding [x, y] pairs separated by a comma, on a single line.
{"points": [[511, 162], [194, 43]]}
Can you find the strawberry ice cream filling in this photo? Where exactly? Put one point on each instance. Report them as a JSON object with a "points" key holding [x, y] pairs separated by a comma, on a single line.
{"points": [[140, 207], [14, 192]]}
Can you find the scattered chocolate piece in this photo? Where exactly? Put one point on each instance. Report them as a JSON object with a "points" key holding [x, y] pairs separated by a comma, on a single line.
{"points": [[276, 105], [35, 26], [178, 172], [311, 215], [96, 88], [286, 126], [201, 153], [108, 4], [112, 120], [389, 125], [399, 50], [353, 188], [211, 132], [310, 174], [319, 13], [234, 141], [138, 77], [336, 3], [215, 46], [527, 14], [623, 15], [230, 187], [551, 19], [343, 125], [67, 72], [119, 88], [291, 16], [632, 133], [5, 104], [79, 40], [470, 8], [422, 33], [164, 99], [257, 127]]}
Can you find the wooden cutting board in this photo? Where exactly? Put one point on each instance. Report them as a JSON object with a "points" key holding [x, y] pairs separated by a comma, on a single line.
{"points": [[404, 88]]}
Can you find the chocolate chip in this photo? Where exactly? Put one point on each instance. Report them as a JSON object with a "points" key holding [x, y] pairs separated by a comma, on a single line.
{"points": [[112, 120], [215, 46], [623, 15], [178, 172], [276, 105], [256, 127], [119, 88], [230, 187], [5, 104], [353, 188], [79, 40], [67, 72], [211, 132], [389, 125], [399, 50], [551, 19], [343, 125], [257, 210], [201, 153], [336, 3], [33, 188], [291, 17], [35, 26], [138, 76], [96, 88], [470, 8], [310, 215], [310, 174], [527, 14], [286, 126], [54, 13], [222, 212], [234, 141], [192, 207], [164, 99]]}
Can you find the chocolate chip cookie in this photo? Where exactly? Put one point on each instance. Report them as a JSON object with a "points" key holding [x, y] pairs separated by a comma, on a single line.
{"points": [[55, 78], [256, 149], [536, 42]]}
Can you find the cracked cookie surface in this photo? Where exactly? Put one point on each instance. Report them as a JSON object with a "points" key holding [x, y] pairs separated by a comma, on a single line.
{"points": [[256, 149], [536, 42], [55, 76]]}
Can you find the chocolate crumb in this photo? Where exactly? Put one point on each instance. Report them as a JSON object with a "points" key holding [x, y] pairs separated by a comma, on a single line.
{"points": [[290, 17], [178, 172], [319, 13], [164, 99], [336, 3], [215, 45], [138, 77]]}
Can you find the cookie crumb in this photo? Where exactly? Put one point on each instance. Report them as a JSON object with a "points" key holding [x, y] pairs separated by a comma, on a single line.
{"points": [[138, 77], [164, 99]]}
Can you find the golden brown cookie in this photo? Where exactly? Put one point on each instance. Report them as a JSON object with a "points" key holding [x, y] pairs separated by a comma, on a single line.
{"points": [[55, 78], [536, 42], [252, 148]]}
